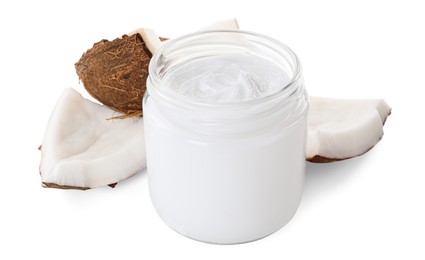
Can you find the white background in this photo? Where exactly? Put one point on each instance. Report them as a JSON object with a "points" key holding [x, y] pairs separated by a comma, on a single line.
{"points": [[371, 207]]}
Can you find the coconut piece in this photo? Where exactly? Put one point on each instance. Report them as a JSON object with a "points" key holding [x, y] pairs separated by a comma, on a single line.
{"points": [[339, 129], [115, 72], [83, 149], [228, 24]]}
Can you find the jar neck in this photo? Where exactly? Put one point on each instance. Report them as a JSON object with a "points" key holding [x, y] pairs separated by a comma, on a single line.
{"points": [[279, 109]]}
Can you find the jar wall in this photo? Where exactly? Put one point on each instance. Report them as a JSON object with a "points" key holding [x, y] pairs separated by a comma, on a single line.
{"points": [[223, 187], [205, 192]]}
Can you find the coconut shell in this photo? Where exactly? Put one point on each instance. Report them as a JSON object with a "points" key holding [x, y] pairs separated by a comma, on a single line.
{"points": [[67, 187], [115, 73], [320, 159]]}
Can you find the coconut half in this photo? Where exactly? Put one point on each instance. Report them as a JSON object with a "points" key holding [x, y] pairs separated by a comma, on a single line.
{"points": [[115, 72], [82, 149], [339, 129]]}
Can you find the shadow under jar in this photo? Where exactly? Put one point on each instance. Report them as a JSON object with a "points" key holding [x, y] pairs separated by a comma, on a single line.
{"points": [[225, 116]]}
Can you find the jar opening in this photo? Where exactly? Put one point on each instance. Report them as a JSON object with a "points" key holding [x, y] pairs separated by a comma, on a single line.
{"points": [[188, 54]]}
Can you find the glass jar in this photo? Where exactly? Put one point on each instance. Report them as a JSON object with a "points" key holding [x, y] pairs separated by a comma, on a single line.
{"points": [[225, 172]]}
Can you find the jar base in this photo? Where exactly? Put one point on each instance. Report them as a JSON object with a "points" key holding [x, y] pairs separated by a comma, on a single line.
{"points": [[236, 242]]}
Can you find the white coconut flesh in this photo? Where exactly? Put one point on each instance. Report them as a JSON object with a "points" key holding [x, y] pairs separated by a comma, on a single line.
{"points": [[228, 24], [340, 129], [83, 149]]}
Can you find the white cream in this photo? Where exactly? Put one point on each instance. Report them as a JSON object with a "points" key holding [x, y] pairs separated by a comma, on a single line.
{"points": [[225, 136], [227, 78]]}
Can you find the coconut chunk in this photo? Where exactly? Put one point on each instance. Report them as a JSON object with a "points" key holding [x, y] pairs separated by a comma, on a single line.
{"points": [[339, 129], [83, 149], [228, 24]]}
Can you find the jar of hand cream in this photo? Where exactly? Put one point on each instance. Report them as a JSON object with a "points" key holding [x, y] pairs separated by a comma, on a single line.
{"points": [[225, 116]]}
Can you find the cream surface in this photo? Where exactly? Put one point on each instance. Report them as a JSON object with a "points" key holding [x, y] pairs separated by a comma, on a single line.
{"points": [[225, 78]]}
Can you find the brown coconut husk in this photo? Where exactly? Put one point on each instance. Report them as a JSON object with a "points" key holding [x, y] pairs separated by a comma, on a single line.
{"points": [[115, 73]]}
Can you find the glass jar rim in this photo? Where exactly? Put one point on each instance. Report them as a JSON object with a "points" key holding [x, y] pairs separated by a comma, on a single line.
{"points": [[285, 90]]}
